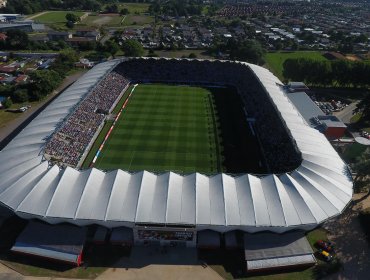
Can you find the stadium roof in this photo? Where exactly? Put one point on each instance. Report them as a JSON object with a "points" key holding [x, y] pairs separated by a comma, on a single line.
{"points": [[317, 190], [63, 242]]}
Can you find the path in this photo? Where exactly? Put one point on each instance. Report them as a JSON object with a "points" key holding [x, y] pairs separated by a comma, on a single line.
{"points": [[12, 125], [351, 245], [37, 15]]}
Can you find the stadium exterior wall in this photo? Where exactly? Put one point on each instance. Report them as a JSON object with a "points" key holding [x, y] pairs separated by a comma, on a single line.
{"points": [[319, 189]]}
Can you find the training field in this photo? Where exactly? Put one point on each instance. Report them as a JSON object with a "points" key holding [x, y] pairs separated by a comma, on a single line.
{"points": [[164, 127]]}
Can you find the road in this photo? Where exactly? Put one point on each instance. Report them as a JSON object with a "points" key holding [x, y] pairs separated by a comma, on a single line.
{"points": [[346, 114], [12, 125]]}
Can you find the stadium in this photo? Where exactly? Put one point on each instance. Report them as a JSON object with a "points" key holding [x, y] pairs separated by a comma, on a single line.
{"points": [[141, 143]]}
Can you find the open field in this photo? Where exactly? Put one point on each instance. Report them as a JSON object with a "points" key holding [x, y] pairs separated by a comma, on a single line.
{"points": [[134, 8], [6, 117], [134, 20], [55, 16], [164, 128], [100, 20], [276, 60]]}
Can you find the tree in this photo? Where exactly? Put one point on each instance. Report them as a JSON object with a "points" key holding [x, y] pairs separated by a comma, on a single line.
{"points": [[124, 12], [192, 55], [249, 50], [7, 103], [16, 39], [72, 18], [364, 107], [64, 62], [70, 24], [43, 83], [111, 47], [20, 96], [362, 166], [132, 48]]}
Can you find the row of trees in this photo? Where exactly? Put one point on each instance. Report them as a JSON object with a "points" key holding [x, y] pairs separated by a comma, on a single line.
{"points": [[34, 6], [176, 7], [327, 73]]}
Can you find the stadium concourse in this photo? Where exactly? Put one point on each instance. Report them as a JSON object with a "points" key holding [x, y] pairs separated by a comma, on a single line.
{"points": [[308, 184]]}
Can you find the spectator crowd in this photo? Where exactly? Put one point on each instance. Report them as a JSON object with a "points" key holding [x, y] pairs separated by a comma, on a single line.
{"points": [[70, 141]]}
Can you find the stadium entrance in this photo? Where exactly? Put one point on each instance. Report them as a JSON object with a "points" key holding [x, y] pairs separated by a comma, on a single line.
{"points": [[164, 236]]}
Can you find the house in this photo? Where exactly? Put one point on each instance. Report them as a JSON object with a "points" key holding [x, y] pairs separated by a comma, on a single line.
{"points": [[56, 36], [90, 33]]}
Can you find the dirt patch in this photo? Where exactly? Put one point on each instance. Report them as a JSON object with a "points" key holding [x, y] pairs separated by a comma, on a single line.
{"points": [[102, 20], [353, 58]]}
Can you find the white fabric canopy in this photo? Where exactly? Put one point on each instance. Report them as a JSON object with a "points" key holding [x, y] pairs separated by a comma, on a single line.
{"points": [[317, 190]]}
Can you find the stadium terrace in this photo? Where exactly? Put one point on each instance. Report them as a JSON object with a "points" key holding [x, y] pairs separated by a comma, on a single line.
{"points": [[307, 183]]}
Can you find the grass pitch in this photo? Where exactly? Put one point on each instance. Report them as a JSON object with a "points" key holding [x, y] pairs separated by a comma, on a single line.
{"points": [[165, 127]]}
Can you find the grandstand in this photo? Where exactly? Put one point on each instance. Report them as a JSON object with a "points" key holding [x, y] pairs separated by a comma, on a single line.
{"points": [[306, 181]]}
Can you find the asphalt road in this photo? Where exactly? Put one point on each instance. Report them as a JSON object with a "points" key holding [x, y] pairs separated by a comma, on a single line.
{"points": [[346, 114]]}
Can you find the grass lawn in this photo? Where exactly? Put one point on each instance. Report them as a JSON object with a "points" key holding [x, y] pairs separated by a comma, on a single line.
{"points": [[134, 8], [353, 151], [275, 60], [99, 20], [55, 16], [134, 20], [6, 117], [164, 128]]}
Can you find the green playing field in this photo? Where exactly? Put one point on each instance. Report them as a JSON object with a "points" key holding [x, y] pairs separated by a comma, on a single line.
{"points": [[164, 127]]}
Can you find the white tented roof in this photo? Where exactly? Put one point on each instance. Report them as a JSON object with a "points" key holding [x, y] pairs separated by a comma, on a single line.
{"points": [[317, 190]]}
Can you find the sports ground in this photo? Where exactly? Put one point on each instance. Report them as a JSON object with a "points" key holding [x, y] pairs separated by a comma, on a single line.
{"points": [[177, 128], [163, 128]]}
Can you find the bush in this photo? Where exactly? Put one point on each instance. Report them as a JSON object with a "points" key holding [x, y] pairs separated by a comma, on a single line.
{"points": [[20, 95], [7, 103]]}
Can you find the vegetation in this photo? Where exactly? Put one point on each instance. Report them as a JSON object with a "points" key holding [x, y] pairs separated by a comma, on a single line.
{"points": [[132, 48], [248, 50], [33, 6], [275, 60], [327, 73], [58, 17], [362, 169], [176, 7], [7, 103]]}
